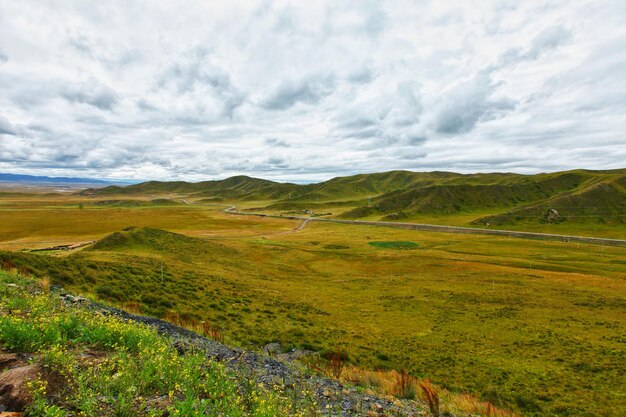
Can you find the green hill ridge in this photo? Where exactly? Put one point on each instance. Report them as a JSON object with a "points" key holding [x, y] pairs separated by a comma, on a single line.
{"points": [[579, 194]]}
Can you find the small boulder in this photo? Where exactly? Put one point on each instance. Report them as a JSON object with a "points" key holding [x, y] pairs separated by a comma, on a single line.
{"points": [[8, 360], [14, 393], [552, 216], [272, 348]]}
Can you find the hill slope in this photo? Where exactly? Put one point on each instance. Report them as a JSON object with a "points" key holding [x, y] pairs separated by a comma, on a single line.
{"points": [[240, 187], [93, 360], [599, 201], [150, 240], [401, 194]]}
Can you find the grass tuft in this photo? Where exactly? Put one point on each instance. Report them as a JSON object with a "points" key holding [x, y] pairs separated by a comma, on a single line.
{"points": [[431, 395]]}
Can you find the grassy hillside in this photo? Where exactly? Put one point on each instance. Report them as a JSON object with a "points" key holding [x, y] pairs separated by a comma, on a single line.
{"points": [[533, 326], [494, 199], [479, 192], [600, 201], [147, 239], [240, 187], [88, 364]]}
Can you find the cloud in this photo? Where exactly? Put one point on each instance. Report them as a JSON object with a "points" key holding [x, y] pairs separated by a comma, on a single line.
{"points": [[195, 71], [362, 76], [305, 91], [276, 162], [276, 143], [548, 39], [310, 90], [6, 128], [469, 102], [91, 93], [390, 117]]}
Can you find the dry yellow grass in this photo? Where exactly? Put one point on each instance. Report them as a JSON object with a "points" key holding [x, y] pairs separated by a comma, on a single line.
{"points": [[389, 383], [44, 284]]}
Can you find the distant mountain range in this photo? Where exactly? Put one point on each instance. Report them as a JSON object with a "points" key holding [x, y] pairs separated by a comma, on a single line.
{"points": [[396, 195], [35, 179]]}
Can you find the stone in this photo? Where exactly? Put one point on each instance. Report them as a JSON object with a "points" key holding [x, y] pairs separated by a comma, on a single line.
{"points": [[8, 360], [14, 393], [552, 216], [272, 348]]}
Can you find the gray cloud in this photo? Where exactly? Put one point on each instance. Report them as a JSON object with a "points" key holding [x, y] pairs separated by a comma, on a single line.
{"points": [[469, 102], [548, 39], [309, 90], [276, 143], [362, 76], [81, 44], [3, 57], [390, 118], [276, 162], [91, 93], [6, 128], [194, 71]]}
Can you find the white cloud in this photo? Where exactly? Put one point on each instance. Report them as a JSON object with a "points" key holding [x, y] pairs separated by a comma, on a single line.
{"points": [[305, 91]]}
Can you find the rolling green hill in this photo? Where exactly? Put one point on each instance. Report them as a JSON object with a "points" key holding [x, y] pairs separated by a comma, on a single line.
{"points": [[580, 194], [472, 193], [598, 202], [239, 187]]}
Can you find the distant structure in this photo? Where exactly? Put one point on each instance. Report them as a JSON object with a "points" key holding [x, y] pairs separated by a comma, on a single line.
{"points": [[552, 216]]}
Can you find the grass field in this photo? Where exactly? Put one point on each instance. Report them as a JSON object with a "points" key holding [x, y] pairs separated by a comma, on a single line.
{"points": [[537, 327]]}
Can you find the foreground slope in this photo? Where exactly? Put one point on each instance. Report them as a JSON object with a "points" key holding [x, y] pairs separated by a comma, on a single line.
{"points": [[92, 360]]}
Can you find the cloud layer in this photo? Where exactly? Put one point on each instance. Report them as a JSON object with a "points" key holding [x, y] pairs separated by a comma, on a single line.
{"points": [[302, 92]]}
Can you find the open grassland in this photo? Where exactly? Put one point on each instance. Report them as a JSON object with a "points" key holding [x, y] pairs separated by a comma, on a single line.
{"points": [[32, 227], [534, 326]]}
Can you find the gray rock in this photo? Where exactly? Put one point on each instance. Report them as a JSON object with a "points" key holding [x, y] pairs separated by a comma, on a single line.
{"points": [[272, 348]]}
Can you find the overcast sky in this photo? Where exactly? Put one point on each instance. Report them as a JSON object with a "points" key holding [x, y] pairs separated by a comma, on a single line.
{"points": [[304, 91]]}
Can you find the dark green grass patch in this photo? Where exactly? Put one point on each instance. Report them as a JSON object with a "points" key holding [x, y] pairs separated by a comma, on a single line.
{"points": [[394, 244]]}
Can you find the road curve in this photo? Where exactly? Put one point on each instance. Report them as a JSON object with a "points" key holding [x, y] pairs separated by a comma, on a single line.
{"points": [[446, 229]]}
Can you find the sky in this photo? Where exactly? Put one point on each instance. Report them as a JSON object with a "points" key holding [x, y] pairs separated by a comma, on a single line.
{"points": [[306, 91]]}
